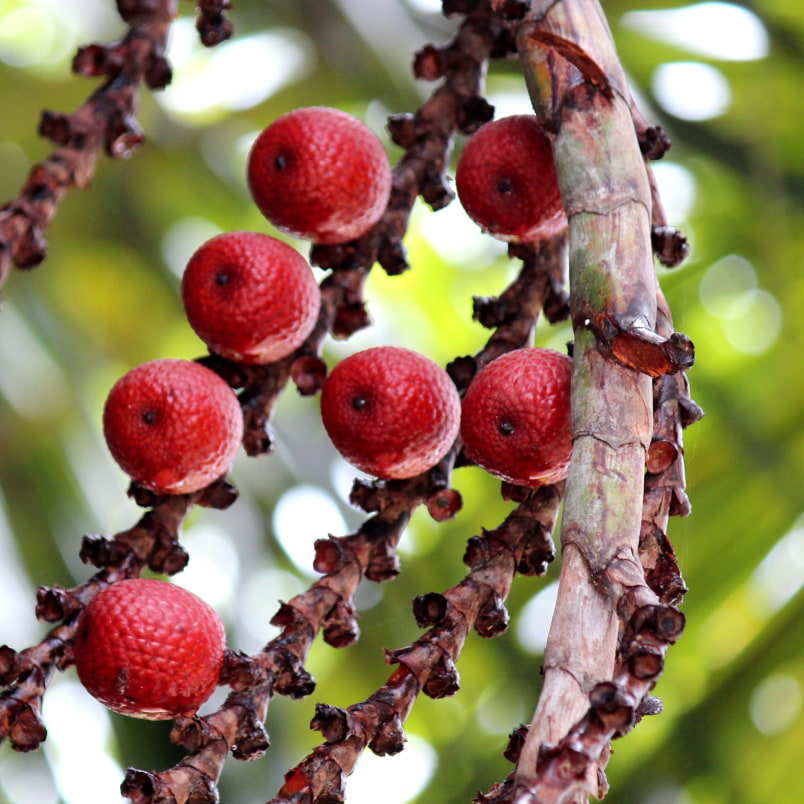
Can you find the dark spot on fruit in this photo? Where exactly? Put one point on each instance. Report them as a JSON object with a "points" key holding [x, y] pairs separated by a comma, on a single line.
{"points": [[222, 279], [281, 161], [121, 681], [506, 427], [505, 187], [360, 403], [149, 417]]}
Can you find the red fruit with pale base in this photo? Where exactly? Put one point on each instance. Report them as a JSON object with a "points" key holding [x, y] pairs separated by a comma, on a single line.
{"points": [[320, 174], [174, 426], [507, 183], [390, 411], [515, 421], [149, 649], [249, 297]]}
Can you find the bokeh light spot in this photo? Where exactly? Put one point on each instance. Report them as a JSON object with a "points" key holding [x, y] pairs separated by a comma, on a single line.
{"points": [[183, 238], [31, 381], [754, 332], [775, 703], [780, 574], [691, 90], [400, 778], [718, 30], [16, 625], [303, 514], [239, 74], [727, 287], [500, 709], [26, 782], [26, 36], [534, 620], [455, 237], [213, 570], [257, 603], [677, 188], [78, 731]]}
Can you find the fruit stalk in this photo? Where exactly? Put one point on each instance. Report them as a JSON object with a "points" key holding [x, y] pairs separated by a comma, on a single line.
{"points": [[578, 86], [522, 543]]}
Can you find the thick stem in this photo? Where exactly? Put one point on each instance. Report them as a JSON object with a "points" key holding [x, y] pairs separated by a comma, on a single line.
{"points": [[577, 86]]}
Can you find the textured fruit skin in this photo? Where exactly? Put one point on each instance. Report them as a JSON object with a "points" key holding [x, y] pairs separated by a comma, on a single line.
{"points": [[249, 297], [319, 174], [507, 183], [174, 426], [149, 649], [515, 421], [391, 412]]}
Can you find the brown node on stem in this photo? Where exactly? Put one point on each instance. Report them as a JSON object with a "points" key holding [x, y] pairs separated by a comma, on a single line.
{"points": [[641, 348], [670, 245], [212, 23], [515, 742], [54, 604], [429, 64], [444, 505], [653, 142], [147, 787]]}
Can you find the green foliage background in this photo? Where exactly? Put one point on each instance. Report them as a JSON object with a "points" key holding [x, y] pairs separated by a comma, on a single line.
{"points": [[107, 298]]}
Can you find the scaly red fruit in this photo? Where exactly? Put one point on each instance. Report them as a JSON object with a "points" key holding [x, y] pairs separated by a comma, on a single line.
{"points": [[249, 297], [391, 412], [174, 426], [149, 649], [320, 174], [515, 421], [507, 183]]}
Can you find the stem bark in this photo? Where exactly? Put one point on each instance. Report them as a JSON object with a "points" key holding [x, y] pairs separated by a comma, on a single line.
{"points": [[578, 87]]}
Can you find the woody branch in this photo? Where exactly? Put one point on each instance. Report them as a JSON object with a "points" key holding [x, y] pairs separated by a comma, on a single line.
{"points": [[578, 87]]}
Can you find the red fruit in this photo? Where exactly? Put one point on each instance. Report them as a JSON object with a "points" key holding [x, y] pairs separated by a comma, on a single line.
{"points": [[250, 297], [515, 421], [320, 174], [391, 412], [507, 182], [172, 425], [149, 649]]}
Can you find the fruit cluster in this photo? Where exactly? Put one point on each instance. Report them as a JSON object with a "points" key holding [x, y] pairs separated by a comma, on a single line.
{"points": [[175, 426]]}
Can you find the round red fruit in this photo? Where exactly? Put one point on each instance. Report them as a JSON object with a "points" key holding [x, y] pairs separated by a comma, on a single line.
{"points": [[249, 297], [149, 649], [173, 425], [507, 182], [320, 174], [515, 421], [391, 412]]}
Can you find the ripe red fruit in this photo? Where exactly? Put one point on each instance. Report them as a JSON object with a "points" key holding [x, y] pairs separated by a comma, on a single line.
{"points": [[149, 649], [320, 174], [507, 183], [515, 421], [391, 412], [250, 297], [174, 426]]}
